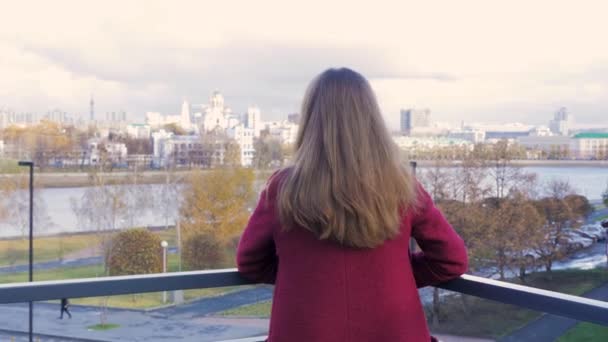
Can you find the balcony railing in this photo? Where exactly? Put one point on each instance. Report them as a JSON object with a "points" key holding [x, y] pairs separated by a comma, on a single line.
{"points": [[582, 309]]}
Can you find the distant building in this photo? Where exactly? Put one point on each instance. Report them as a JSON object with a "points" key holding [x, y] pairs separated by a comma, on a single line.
{"points": [[9, 117], [556, 145], [285, 131], [138, 131], [100, 151], [183, 120], [474, 136], [560, 125], [590, 145], [58, 116], [294, 118], [415, 119], [253, 121], [244, 138], [216, 115], [502, 131], [92, 110], [160, 148]]}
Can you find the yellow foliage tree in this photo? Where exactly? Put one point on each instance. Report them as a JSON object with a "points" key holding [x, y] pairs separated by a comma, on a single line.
{"points": [[215, 202]]}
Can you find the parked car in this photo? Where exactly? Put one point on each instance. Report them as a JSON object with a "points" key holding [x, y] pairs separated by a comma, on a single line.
{"points": [[591, 231], [572, 241]]}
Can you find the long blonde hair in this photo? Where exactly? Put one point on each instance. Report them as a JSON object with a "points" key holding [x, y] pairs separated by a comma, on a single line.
{"points": [[347, 182]]}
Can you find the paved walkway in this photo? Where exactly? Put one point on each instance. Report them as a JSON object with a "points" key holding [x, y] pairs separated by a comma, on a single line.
{"points": [[549, 327], [134, 325]]}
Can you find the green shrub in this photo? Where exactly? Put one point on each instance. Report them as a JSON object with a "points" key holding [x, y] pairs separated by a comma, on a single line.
{"points": [[135, 251], [202, 251]]}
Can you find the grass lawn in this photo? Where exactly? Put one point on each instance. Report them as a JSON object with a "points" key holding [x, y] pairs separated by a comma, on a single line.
{"points": [[584, 332], [136, 301], [101, 327], [484, 318], [261, 309], [15, 252], [10, 166]]}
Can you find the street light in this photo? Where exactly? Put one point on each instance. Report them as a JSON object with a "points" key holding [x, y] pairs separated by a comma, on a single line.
{"points": [[30, 164], [164, 245]]}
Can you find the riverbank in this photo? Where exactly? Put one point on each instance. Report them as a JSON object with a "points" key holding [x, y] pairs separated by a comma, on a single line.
{"points": [[77, 179], [532, 163], [73, 179]]}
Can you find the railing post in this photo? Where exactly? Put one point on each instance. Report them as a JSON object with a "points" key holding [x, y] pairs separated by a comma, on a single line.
{"points": [[31, 252], [413, 165]]}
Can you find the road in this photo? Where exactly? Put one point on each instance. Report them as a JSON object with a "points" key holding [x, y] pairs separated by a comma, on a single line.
{"points": [[550, 327], [186, 324]]}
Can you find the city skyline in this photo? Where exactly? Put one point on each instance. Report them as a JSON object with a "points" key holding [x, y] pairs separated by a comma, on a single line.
{"points": [[460, 64]]}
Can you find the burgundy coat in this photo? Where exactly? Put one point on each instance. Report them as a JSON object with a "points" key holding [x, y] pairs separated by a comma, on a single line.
{"points": [[327, 292]]}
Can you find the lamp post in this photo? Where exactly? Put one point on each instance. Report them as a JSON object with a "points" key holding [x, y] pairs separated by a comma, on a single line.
{"points": [[413, 165], [164, 245], [30, 164]]}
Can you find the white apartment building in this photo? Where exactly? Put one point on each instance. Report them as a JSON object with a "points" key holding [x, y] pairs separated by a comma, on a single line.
{"points": [[139, 131], [590, 145], [244, 138], [253, 119], [474, 136], [115, 153], [183, 120], [285, 131]]}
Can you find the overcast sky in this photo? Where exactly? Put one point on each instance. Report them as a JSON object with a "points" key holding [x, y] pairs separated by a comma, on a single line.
{"points": [[491, 61]]}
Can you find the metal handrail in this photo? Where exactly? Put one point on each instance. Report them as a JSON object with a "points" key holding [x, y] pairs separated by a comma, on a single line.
{"points": [[575, 307]]}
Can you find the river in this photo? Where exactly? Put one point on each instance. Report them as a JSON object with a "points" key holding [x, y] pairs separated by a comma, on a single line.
{"points": [[588, 181]]}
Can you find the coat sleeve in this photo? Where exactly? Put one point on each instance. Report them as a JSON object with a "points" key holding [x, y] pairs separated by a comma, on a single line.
{"points": [[256, 254], [443, 256]]}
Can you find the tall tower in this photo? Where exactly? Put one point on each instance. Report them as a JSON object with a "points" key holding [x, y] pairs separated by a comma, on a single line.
{"points": [[185, 121], [92, 109]]}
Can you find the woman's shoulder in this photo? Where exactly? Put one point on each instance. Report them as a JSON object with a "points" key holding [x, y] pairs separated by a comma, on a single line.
{"points": [[275, 180]]}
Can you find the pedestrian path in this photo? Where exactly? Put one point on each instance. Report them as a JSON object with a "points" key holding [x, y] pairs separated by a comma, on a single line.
{"points": [[550, 327], [133, 325]]}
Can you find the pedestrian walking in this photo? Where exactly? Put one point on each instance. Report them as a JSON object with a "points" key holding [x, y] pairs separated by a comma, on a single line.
{"points": [[65, 303]]}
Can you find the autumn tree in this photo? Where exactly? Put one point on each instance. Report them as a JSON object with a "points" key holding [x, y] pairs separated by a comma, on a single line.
{"points": [[509, 183], [15, 204], [101, 208], [135, 251], [579, 204], [560, 216], [215, 202], [557, 216], [268, 150], [435, 180], [43, 143], [232, 154], [523, 231], [175, 129], [203, 250]]}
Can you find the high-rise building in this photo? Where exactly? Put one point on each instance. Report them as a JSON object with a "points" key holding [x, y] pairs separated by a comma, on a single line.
{"points": [[560, 125], [414, 118], [253, 120], [92, 109], [185, 120], [293, 118], [216, 115]]}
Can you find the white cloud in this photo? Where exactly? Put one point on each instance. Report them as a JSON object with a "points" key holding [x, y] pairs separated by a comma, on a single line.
{"points": [[466, 60]]}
